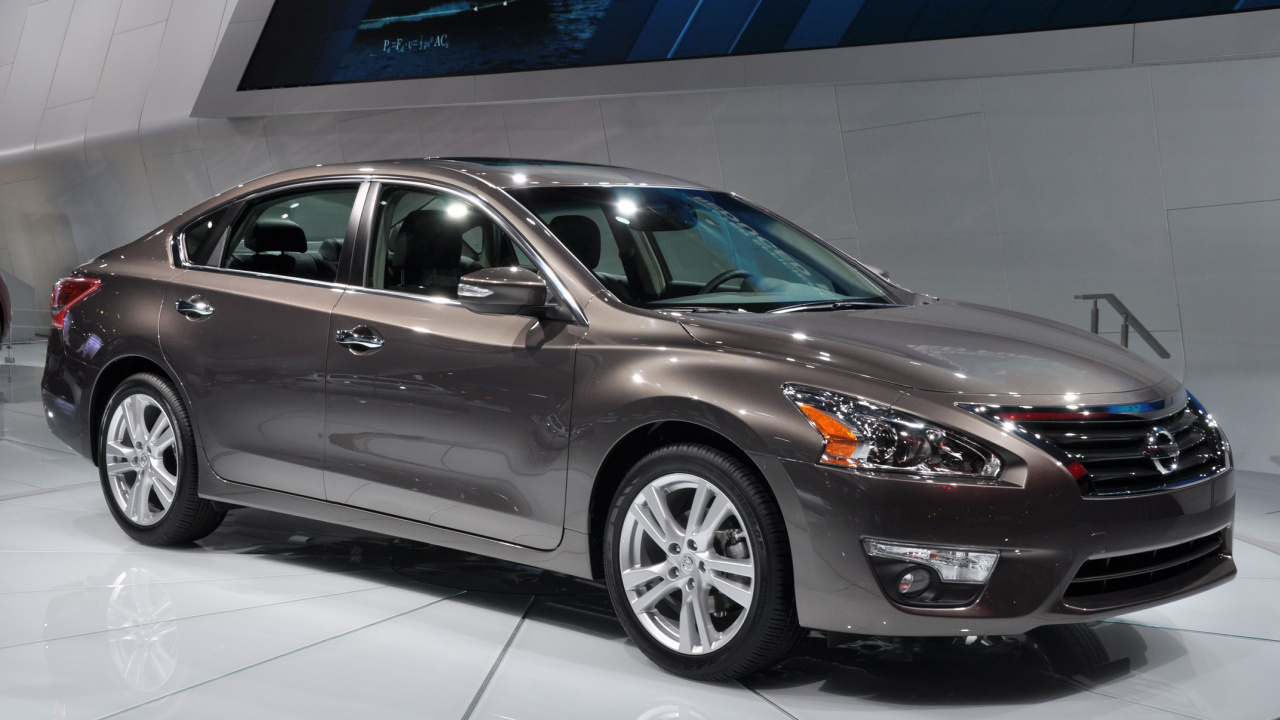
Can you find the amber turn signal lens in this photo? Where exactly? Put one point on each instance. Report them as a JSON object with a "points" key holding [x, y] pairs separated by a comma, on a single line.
{"points": [[840, 440]]}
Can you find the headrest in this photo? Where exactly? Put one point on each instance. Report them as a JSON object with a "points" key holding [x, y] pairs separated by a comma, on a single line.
{"points": [[331, 250], [581, 235], [429, 240], [270, 235]]}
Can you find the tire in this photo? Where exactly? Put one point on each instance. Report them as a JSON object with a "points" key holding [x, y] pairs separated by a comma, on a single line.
{"points": [[167, 510], [663, 575]]}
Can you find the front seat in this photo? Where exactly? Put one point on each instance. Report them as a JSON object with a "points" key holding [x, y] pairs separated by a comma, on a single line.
{"points": [[581, 235], [426, 253], [279, 247]]}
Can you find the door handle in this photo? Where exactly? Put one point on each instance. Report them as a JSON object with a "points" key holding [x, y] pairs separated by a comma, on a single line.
{"points": [[195, 307], [359, 339]]}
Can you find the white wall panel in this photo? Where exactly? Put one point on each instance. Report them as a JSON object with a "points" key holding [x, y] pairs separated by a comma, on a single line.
{"points": [[236, 45], [67, 183], [140, 13], [925, 208], [28, 88], [1219, 129], [868, 106], [1206, 37], [28, 237], [671, 134], [251, 10], [119, 178], [4, 78], [62, 128], [463, 131], [13, 15], [83, 51], [936, 59], [298, 140], [384, 136], [178, 182], [781, 147], [235, 151], [1077, 188], [167, 126], [675, 76], [557, 131], [1228, 260], [126, 77]]}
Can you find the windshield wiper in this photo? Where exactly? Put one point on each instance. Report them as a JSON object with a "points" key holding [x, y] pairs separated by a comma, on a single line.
{"points": [[834, 305], [698, 309]]}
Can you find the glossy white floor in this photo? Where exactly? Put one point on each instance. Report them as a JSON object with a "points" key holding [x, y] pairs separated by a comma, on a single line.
{"points": [[274, 617]]}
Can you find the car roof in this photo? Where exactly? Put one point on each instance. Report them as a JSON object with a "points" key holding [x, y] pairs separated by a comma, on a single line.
{"points": [[505, 173]]}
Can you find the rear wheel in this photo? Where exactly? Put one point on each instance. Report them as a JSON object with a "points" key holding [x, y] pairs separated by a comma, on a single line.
{"points": [[697, 564], [147, 464]]}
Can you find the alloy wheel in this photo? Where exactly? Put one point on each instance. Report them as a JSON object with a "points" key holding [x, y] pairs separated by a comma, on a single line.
{"points": [[142, 459], [687, 565]]}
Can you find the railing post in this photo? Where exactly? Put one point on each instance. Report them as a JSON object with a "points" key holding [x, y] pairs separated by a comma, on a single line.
{"points": [[1093, 318], [1124, 331]]}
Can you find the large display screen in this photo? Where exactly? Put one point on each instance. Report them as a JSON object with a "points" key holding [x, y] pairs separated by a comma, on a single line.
{"points": [[318, 42]]}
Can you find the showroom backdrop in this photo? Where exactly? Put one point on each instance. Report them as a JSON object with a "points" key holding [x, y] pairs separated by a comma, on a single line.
{"points": [[1018, 170]]}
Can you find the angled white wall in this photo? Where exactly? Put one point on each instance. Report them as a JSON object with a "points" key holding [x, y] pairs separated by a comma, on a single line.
{"points": [[1016, 171]]}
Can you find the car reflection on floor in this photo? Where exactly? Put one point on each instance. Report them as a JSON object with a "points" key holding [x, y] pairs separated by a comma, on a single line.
{"points": [[143, 641]]}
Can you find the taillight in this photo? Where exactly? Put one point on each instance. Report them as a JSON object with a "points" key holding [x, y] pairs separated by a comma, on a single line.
{"points": [[67, 293]]}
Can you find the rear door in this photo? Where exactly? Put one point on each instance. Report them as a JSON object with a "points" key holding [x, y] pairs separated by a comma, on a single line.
{"points": [[246, 327], [436, 413]]}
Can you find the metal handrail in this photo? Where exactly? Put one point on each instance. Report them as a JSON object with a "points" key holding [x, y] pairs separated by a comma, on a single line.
{"points": [[1126, 319]]}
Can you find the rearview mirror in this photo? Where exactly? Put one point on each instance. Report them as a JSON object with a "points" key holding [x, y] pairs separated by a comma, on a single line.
{"points": [[503, 291]]}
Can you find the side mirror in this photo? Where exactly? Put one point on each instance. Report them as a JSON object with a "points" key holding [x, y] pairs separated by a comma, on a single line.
{"points": [[879, 271], [503, 291]]}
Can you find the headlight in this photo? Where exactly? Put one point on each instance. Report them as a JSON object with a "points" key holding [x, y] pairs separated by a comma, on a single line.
{"points": [[864, 434]]}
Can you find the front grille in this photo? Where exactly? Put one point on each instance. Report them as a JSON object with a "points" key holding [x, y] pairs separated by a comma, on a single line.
{"points": [[1112, 449], [1132, 572]]}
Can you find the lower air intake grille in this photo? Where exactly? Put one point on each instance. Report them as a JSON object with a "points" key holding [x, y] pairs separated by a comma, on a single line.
{"points": [[1133, 572]]}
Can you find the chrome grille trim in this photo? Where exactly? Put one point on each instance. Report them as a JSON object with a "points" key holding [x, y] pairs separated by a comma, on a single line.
{"points": [[1107, 446]]}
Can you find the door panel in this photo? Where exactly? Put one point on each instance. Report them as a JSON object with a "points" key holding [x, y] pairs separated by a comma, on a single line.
{"points": [[459, 419], [253, 369]]}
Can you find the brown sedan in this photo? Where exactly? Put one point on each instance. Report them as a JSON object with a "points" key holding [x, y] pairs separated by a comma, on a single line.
{"points": [[620, 375]]}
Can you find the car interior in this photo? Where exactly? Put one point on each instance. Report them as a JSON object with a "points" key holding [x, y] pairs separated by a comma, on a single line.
{"points": [[298, 235], [426, 242]]}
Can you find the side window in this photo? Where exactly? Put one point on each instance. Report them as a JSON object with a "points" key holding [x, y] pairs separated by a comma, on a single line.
{"points": [[199, 238], [298, 234], [426, 241]]}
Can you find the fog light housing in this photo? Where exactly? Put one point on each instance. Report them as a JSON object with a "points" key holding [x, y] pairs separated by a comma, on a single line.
{"points": [[913, 582], [925, 576], [951, 564]]}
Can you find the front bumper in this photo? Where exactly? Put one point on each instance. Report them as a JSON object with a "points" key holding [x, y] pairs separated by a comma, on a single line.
{"points": [[1044, 531]]}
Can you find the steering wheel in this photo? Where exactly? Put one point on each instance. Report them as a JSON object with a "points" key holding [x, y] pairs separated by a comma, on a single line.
{"points": [[721, 279]]}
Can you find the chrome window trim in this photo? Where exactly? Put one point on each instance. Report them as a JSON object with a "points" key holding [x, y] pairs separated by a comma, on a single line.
{"points": [[518, 237], [269, 276], [433, 299]]}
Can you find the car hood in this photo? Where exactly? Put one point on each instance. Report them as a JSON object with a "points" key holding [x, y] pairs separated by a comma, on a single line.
{"points": [[941, 346]]}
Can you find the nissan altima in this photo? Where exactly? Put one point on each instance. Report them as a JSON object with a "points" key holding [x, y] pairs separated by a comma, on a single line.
{"points": [[618, 375]]}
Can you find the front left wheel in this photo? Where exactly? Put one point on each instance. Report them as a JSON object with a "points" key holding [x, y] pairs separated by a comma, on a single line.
{"points": [[147, 464], [698, 565]]}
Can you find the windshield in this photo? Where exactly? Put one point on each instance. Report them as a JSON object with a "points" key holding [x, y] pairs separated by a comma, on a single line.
{"points": [[665, 248]]}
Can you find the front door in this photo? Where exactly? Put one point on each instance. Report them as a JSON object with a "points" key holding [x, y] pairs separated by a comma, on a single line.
{"points": [[435, 413], [248, 334]]}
